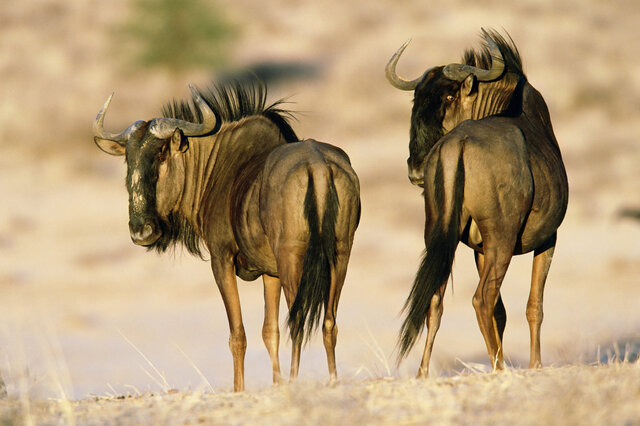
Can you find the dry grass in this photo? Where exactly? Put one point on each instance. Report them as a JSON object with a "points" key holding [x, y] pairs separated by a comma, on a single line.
{"points": [[574, 395]]}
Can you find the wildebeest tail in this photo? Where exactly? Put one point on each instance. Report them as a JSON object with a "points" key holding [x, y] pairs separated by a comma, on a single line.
{"points": [[319, 259], [436, 264]]}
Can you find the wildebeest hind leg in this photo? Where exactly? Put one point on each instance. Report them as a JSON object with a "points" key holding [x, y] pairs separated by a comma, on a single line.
{"points": [[541, 264], [270, 328], [486, 297], [224, 274], [290, 270], [499, 313], [434, 316], [329, 326]]}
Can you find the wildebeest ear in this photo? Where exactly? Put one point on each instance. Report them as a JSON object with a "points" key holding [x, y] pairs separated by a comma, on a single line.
{"points": [[469, 85], [179, 141], [109, 146]]}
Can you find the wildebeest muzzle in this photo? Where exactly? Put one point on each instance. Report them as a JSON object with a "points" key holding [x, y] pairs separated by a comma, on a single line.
{"points": [[144, 233], [416, 173]]}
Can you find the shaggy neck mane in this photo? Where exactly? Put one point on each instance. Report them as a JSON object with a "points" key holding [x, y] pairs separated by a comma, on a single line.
{"points": [[231, 102], [482, 58], [517, 97], [494, 97]]}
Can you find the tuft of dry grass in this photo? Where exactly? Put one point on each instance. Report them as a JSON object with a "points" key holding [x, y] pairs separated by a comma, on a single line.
{"points": [[597, 394]]}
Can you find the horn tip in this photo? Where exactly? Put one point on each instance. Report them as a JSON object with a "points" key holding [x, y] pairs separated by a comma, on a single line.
{"points": [[403, 47], [196, 94], [103, 110]]}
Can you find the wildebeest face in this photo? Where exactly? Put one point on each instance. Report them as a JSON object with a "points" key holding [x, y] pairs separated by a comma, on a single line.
{"points": [[155, 179], [443, 98], [439, 105], [143, 160], [155, 168]]}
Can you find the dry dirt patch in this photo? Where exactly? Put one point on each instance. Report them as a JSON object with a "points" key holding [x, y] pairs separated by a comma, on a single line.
{"points": [[604, 394]]}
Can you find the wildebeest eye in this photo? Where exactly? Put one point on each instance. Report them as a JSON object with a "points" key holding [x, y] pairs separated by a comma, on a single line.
{"points": [[450, 98]]}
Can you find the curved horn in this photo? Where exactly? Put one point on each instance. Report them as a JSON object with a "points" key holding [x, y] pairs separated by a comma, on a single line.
{"points": [[163, 128], [100, 133], [395, 80], [459, 72]]}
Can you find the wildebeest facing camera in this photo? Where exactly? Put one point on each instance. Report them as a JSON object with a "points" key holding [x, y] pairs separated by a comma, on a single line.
{"points": [[230, 174]]}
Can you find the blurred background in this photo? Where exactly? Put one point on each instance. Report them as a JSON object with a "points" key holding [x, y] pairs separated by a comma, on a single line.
{"points": [[85, 312]]}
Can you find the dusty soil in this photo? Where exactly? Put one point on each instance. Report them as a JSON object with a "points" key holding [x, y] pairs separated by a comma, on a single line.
{"points": [[574, 395], [87, 313]]}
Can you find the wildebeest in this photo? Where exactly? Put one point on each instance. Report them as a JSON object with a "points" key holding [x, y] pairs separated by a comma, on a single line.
{"points": [[230, 172], [483, 148]]}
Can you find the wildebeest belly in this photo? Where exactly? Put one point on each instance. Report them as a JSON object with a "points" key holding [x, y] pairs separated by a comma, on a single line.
{"points": [[254, 256], [247, 270]]}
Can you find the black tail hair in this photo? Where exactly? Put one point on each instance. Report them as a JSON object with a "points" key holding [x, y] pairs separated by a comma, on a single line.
{"points": [[320, 257], [436, 264]]}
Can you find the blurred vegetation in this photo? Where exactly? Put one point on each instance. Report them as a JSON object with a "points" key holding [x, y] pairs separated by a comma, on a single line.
{"points": [[174, 35]]}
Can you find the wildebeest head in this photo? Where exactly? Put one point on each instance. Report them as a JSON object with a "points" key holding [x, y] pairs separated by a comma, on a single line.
{"points": [[444, 96], [155, 172]]}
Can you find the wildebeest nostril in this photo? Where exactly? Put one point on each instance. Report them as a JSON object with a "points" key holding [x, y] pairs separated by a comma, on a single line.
{"points": [[147, 231], [415, 176], [145, 236]]}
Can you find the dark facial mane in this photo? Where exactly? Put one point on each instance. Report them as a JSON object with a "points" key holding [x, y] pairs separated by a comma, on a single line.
{"points": [[233, 100], [175, 230], [482, 58]]}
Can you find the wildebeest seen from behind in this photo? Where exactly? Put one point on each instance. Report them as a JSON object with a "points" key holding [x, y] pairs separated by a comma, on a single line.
{"points": [[483, 148], [231, 173]]}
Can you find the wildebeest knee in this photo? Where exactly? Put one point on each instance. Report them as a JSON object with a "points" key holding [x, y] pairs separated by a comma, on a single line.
{"points": [[534, 312], [477, 302], [238, 341], [328, 325], [482, 307], [270, 333]]}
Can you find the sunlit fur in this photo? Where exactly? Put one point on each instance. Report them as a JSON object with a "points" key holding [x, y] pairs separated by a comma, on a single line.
{"points": [[261, 202], [231, 102], [500, 174]]}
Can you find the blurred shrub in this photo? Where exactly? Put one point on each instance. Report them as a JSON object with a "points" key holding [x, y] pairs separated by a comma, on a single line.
{"points": [[174, 35]]}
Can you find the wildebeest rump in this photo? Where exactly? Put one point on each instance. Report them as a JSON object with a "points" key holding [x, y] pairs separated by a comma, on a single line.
{"points": [[230, 173], [482, 146]]}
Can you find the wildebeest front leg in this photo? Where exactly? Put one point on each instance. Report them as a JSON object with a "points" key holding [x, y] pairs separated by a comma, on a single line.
{"points": [[436, 307], [270, 328], [541, 264], [224, 274], [499, 312]]}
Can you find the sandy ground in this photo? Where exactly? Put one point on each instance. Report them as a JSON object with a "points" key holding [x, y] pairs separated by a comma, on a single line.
{"points": [[572, 395], [86, 312]]}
